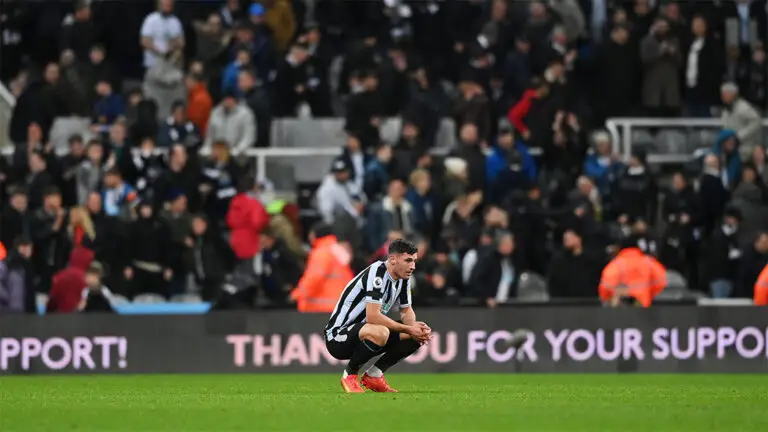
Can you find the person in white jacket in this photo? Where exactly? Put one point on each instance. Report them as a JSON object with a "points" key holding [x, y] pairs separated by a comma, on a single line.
{"points": [[335, 195], [231, 122]]}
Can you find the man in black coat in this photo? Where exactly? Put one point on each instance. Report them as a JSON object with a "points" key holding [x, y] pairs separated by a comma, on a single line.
{"points": [[49, 234], [364, 110], [712, 195], [282, 270], [257, 99], [635, 191], [722, 256], [496, 276], [211, 257], [14, 219], [703, 76], [575, 272]]}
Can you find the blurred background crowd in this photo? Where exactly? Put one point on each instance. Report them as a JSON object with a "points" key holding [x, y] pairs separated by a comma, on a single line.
{"points": [[157, 194]]}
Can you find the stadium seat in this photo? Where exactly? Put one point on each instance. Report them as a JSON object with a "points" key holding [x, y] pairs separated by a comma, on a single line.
{"points": [[671, 141], [148, 298], [677, 287], [186, 298], [642, 140], [118, 300], [532, 287], [701, 139]]}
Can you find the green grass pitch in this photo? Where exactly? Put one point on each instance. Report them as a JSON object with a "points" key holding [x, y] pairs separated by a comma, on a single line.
{"points": [[425, 402]]}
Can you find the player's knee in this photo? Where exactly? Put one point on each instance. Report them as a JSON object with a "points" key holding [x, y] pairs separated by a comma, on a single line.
{"points": [[377, 334]]}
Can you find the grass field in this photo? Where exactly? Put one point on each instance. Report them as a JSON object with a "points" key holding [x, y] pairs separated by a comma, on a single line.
{"points": [[426, 402]]}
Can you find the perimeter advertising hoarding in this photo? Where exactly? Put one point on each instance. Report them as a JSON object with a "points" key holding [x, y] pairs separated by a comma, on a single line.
{"points": [[565, 339]]}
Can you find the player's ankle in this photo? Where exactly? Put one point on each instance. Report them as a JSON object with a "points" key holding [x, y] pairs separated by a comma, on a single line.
{"points": [[374, 372], [348, 372]]}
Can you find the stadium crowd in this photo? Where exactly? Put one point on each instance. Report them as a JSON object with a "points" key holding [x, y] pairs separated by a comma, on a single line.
{"points": [[161, 200]]}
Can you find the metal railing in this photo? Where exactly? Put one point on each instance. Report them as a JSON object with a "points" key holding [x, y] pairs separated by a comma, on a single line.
{"points": [[7, 103], [621, 130]]}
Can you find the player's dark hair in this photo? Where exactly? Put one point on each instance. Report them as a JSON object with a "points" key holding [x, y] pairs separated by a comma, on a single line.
{"points": [[400, 246]]}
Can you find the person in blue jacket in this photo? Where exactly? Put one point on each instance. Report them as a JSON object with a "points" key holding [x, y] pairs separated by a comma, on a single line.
{"points": [[603, 165], [727, 149], [508, 164]]}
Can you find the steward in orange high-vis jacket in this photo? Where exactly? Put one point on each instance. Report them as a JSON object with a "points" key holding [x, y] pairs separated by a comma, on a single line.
{"points": [[326, 274], [761, 288], [632, 274]]}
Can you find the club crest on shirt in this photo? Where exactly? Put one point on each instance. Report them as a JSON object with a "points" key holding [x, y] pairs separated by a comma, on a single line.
{"points": [[378, 283]]}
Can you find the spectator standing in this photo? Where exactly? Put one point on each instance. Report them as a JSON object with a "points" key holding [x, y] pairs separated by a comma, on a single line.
{"points": [[147, 265], [232, 123], [704, 70], [256, 97], [179, 221], [615, 75], [635, 190], [15, 216], [471, 150], [574, 272], [393, 213], [161, 34], [278, 16], [335, 196], [199, 102], [39, 104], [509, 165], [751, 198], [242, 61], [661, 57], [78, 31], [423, 202], [604, 166], [740, 117], [246, 220], [70, 165], [67, 287], [721, 256], [760, 161], [726, 148], [178, 129], [282, 269], [17, 290], [211, 257], [363, 110], [497, 274], [712, 195], [91, 171], [96, 68], [116, 194], [220, 180], [376, 179], [182, 175], [95, 296], [144, 168], [756, 80], [49, 235]]}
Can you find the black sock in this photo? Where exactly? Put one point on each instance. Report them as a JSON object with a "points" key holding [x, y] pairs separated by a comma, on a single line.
{"points": [[403, 349], [364, 351]]}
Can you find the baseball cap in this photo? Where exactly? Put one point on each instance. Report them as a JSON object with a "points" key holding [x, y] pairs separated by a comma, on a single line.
{"points": [[339, 165]]}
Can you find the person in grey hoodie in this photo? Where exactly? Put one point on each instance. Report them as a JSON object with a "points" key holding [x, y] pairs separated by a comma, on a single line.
{"points": [[740, 116], [17, 294], [91, 171], [233, 123]]}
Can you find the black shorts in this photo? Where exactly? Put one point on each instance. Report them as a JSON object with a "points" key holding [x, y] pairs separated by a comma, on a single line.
{"points": [[346, 340]]}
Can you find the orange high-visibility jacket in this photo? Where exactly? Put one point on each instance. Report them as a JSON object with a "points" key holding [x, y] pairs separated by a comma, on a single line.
{"points": [[325, 277], [761, 288], [643, 276]]}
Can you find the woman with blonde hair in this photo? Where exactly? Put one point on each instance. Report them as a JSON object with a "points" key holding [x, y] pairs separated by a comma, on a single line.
{"points": [[81, 230]]}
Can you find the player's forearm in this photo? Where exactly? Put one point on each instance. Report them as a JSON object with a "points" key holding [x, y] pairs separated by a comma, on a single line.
{"points": [[381, 319], [408, 317]]}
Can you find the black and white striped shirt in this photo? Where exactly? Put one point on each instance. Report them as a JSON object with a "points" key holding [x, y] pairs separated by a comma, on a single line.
{"points": [[372, 285]]}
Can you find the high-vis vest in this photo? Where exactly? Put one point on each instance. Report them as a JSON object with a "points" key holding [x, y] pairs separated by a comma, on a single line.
{"points": [[325, 277], [761, 288], [643, 276]]}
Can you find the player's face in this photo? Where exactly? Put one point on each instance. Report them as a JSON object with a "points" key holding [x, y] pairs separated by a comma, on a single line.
{"points": [[405, 264]]}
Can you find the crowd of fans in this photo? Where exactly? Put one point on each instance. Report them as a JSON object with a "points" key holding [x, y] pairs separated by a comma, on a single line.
{"points": [[161, 200]]}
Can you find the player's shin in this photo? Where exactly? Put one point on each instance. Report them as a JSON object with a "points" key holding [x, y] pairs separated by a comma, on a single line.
{"points": [[364, 351], [403, 349]]}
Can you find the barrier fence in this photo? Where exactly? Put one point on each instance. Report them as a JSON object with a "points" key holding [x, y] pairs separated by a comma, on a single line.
{"points": [[563, 339]]}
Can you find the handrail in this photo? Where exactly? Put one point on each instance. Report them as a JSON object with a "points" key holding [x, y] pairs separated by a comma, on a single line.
{"points": [[7, 96], [620, 129]]}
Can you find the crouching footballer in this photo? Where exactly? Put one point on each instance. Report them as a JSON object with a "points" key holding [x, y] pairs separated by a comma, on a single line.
{"points": [[359, 328]]}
